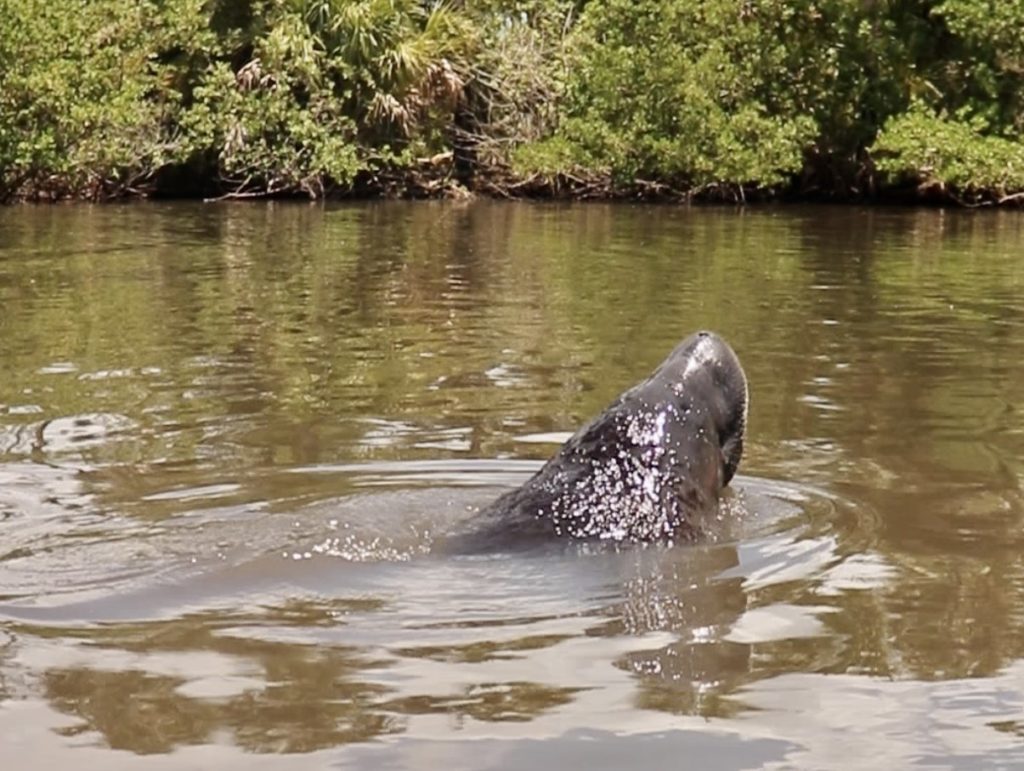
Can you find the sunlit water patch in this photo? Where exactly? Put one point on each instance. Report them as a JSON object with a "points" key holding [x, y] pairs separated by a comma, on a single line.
{"points": [[657, 611], [383, 512], [240, 606]]}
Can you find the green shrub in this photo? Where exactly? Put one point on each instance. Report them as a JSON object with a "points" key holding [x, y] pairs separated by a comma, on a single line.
{"points": [[720, 92], [82, 108], [110, 97], [950, 153], [322, 90]]}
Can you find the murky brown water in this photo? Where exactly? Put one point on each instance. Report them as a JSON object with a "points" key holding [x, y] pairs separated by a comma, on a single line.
{"points": [[227, 434]]}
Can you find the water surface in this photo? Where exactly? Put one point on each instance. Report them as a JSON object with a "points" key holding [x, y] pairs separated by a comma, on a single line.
{"points": [[229, 435]]}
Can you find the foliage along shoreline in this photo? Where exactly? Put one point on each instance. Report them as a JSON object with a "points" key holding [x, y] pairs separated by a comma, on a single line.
{"points": [[731, 100]]}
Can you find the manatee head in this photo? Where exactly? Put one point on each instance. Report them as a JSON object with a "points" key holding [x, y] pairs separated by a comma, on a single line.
{"points": [[705, 372], [649, 467]]}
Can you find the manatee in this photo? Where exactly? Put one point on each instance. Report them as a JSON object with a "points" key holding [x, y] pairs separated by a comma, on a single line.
{"points": [[650, 467]]}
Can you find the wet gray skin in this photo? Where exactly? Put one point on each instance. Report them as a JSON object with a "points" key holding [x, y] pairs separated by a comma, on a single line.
{"points": [[650, 467]]}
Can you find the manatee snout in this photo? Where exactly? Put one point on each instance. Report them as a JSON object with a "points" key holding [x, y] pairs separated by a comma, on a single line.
{"points": [[705, 371]]}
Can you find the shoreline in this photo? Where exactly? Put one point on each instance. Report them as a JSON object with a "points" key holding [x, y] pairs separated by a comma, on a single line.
{"points": [[560, 189]]}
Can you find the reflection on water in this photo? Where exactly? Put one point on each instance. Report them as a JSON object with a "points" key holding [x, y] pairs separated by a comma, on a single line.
{"points": [[233, 437]]}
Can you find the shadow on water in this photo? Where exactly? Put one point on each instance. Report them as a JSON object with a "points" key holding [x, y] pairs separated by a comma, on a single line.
{"points": [[230, 436]]}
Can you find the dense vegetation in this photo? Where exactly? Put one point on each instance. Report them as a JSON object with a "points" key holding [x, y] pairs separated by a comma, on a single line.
{"points": [[715, 98]]}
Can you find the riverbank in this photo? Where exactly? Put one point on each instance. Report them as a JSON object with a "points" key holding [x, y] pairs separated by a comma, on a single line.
{"points": [[725, 100], [442, 184]]}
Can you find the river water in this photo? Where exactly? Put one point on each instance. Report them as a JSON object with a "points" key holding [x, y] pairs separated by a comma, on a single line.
{"points": [[230, 433]]}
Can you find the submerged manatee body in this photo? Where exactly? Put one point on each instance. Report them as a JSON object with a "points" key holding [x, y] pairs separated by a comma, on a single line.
{"points": [[646, 468]]}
